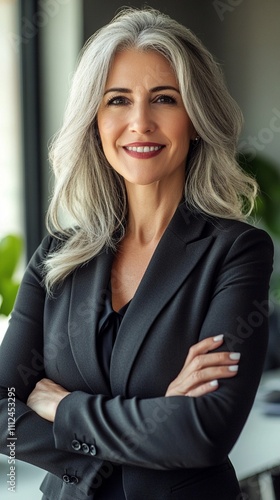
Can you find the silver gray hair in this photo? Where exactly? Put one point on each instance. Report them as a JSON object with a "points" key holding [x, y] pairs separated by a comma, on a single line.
{"points": [[86, 186]]}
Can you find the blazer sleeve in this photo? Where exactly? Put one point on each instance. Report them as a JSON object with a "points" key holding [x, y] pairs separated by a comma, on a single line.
{"points": [[21, 366], [175, 432]]}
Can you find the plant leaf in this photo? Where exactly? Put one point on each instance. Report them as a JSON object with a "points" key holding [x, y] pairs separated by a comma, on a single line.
{"points": [[10, 252], [8, 292]]}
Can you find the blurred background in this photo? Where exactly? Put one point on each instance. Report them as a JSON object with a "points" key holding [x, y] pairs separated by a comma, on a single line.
{"points": [[39, 44]]}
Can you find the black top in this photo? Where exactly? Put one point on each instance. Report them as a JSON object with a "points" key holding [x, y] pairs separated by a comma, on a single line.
{"points": [[109, 323]]}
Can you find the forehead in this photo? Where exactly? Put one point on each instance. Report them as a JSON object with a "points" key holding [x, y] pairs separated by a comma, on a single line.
{"points": [[136, 66]]}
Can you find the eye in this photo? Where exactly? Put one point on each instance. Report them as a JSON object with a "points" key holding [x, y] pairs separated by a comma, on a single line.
{"points": [[165, 99], [118, 101]]}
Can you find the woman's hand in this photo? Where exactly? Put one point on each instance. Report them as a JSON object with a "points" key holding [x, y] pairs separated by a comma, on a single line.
{"points": [[45, 398], [202, 369]]}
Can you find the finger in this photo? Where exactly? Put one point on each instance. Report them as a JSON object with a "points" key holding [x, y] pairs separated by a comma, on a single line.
{"points": [[204, 346], [47, 382], [193, 381], [42, 384], [211, 360], [214, 359], [201, 377], [194, 390], [204, 389]]}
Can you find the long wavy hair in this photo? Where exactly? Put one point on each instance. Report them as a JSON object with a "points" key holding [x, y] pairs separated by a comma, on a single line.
{"points": [[89, 190]]}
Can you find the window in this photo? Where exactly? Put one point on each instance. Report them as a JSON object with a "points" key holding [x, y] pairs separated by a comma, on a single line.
{"points": [[11, 185]]}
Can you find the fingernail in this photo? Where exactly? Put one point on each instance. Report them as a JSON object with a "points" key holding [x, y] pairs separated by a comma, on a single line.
{"points": [[218, 338], [234, 355], [213, 383], [233, 368]]}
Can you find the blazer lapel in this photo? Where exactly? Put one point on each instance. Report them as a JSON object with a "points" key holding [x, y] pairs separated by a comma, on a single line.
{"points": [[89, 289], [178, 252]]}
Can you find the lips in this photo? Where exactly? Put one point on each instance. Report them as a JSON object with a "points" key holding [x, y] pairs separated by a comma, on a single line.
{"points": [[143, 150]]}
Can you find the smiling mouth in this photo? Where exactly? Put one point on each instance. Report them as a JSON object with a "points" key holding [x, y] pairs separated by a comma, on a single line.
{"points": [[143, 149]]}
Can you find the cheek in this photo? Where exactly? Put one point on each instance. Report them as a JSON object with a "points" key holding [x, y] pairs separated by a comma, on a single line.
{"points": [[181, 135], [106, 128], [184, 132], [105, 124], [110, 125], [182, 142]]}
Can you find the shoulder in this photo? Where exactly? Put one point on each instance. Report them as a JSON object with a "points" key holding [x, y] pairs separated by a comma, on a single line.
{"points": [[237, 232], [227, 229], [229, 235], [50, 243]]}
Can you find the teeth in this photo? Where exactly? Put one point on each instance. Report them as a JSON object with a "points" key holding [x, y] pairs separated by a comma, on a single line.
{"points": [[143, 149]]}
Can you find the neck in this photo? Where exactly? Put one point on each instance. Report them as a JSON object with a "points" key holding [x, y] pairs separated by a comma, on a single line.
{"points": [[150, 211]]}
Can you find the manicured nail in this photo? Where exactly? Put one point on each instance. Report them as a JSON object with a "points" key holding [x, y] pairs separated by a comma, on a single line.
{"points": [[213, 383], [233, 368], [235, 356], [218, 338]]}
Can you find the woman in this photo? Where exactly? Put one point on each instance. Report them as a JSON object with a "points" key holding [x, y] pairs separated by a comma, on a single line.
{"points": [[155, 291]]}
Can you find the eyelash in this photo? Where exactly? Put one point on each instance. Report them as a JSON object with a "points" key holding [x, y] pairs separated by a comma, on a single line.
{"points": [[123, 101], [169, 98]]}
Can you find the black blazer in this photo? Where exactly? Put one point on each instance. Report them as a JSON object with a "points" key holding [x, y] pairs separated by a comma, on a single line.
{"points": [[207, 276]]}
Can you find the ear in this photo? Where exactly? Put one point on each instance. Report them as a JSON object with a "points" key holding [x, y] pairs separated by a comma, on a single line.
{"points": [[194, 136], [196, 139]]}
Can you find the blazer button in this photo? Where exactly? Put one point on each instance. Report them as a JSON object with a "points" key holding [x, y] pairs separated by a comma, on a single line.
{"points": [[66, 478], [85, 448], [76, 445], [74, 480], [92, 450]]}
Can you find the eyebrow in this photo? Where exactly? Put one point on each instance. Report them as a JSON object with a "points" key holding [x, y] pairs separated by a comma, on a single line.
{"points": [[123, 90]]}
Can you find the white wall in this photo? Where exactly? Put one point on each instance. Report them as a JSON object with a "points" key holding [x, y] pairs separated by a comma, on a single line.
{"points": [[61, 41], [11, 186], [250, 50]]}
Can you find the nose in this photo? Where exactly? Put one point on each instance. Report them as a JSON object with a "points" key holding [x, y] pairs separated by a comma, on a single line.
{"points": [[141, 120]]}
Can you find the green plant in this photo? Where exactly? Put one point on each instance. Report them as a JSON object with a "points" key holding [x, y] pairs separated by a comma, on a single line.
{"points": [[267, 175], [267, 208], [10, 253]]}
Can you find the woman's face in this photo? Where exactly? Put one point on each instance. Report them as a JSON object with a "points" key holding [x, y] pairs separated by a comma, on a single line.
{"points": [[143, 125]]}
